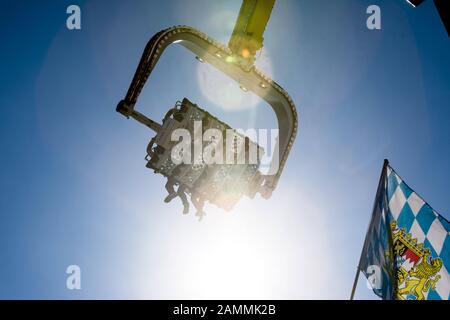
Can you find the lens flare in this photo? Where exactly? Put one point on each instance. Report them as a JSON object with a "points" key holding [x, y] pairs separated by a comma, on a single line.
{"points": [[224, 92], [260, 250]]}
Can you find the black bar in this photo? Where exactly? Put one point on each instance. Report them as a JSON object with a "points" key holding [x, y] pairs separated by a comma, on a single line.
{"points": [[165, 309], [443, 7], [415, 3]]}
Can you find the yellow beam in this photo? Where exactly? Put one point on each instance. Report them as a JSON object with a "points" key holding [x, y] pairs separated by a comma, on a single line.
{"points": [[247, 37]]}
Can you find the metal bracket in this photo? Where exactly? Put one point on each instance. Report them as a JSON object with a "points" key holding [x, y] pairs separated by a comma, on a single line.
{"points": [[221, 57]]}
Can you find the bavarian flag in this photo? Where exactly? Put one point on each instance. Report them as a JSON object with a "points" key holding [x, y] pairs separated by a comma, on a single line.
{"points": [[406, 253]]}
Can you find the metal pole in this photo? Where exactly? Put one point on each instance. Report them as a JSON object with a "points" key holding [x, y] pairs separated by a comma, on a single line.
{"points": [[358, 270]]}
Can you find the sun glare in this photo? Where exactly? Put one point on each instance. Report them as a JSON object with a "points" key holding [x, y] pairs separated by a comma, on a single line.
{"points": [[224, 92], [263, 249]]}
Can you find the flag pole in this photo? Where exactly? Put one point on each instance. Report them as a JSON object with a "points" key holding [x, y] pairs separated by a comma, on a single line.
{"points": [[358, 269]]}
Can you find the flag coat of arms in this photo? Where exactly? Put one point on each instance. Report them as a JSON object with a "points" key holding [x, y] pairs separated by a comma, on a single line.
{"points": [[407, 243]]}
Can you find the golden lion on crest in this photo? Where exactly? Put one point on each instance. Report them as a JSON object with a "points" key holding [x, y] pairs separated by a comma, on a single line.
{"points": [[423, 273]]}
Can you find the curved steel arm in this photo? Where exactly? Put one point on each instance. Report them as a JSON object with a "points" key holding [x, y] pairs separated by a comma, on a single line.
{"points": [[221, 57]]}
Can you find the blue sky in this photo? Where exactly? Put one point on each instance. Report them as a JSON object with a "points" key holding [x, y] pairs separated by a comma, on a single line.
{"points": [[74, 185]]}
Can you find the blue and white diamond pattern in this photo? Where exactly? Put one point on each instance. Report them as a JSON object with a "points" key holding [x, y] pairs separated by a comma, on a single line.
{"points": [[411, 212]]}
